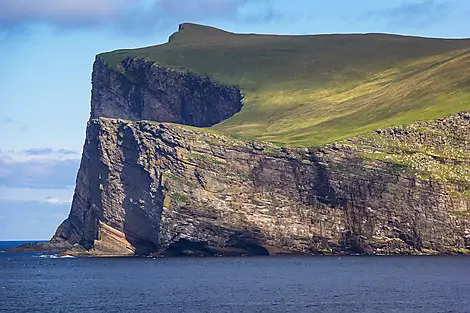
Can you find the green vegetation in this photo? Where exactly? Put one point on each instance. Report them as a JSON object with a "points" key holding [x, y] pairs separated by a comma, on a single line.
{"points": [[429, 150], [272, 151], [167, 202], [205, 158], [179, 198], [445, 162], [462, 213], [311, 90], [461, 250]]}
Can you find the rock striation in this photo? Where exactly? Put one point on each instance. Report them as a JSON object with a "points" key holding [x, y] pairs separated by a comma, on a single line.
{"points": [[146, 187], [170, 190], [142, 90]]}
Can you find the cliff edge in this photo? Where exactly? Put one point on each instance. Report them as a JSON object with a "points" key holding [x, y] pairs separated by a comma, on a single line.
{"points": [[150, 183], [143, 90], [162, 189]]}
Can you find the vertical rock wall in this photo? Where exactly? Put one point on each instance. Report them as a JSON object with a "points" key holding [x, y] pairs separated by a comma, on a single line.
{"points": [[142, 90], [175, 191]]}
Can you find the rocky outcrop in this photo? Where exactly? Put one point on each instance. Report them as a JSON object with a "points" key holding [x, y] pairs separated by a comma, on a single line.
{"points": [[53, 246], [155, 188], [142, 90], [150, 188]]}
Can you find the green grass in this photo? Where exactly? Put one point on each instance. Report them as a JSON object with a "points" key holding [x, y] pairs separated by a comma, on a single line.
{"points": [[441, 157], [180, 198], [312, 90], [462, 213], [205, 158]]}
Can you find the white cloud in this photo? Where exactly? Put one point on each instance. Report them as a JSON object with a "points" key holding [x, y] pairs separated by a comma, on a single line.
{"points": [[49, 196], [39, 154], [52, 200], [38, 170], [63, 11], [132, 16]]}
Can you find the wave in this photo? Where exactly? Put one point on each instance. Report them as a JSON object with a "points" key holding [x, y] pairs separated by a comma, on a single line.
{"points": [[55, 256]]}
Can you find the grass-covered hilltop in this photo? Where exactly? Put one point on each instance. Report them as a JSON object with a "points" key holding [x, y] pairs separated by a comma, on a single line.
{"points": [[221, 144], [314, 89]]}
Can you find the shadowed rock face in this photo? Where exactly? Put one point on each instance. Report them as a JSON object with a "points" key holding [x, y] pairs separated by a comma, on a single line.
{"points": [[153, 188], [146, 91], [174, 191]]}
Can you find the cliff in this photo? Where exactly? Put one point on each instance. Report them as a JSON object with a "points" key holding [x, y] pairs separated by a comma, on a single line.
{"points": [[142, 90], [147, 186], [166, 189]]}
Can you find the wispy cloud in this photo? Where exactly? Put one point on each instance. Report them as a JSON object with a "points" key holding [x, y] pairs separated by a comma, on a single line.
{"points": [[67, 13], [38, 173], [11, 122], [49, 151], [414, 14], [53, 200], [39, 151], [67, 152], [123, 15], [46, 195]]}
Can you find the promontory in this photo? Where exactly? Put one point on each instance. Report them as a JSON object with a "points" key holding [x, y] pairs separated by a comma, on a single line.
{"points": [[217, 143]]}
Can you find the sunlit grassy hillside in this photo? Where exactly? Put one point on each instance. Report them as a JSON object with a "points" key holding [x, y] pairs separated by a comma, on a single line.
{"points": [[310, 90]]}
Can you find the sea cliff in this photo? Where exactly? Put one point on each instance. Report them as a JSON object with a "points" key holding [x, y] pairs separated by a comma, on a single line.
{"points": [[153, 182], [165, 189], [154, 188]]}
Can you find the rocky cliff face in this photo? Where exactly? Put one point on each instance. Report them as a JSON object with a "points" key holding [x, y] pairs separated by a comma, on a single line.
{"points": [[154, 188], [146, 187], [142, 90]]}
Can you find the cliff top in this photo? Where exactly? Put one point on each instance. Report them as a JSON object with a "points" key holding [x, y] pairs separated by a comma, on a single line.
{"points": [[308, 90]]}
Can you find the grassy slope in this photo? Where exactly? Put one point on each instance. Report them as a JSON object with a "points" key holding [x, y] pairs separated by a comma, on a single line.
{"points": [[432, 151], [311, 90]]}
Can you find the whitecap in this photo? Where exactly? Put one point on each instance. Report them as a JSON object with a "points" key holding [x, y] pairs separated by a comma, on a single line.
{"points": [[49, 256]]}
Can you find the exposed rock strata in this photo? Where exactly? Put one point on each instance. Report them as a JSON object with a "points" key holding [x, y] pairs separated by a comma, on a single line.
{"points": [[152, 188], [175, 191], [146, 91]]}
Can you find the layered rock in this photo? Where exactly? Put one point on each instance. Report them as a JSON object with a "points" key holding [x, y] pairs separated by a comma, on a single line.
{"points": [[155, 188], [146, 187], [142, 90]]}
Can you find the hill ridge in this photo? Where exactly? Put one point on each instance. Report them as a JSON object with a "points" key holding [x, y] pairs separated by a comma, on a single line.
{"points": [[305, 90]]}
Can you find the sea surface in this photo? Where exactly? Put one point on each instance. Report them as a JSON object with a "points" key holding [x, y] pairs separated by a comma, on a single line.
{"points": [[34, 282]]}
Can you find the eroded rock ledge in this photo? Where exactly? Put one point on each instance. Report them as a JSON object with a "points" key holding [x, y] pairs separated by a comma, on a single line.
{"points": [[142, 90], [161, 189], [151, 188]]}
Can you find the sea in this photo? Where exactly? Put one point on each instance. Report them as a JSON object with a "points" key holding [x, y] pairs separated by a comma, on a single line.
{"points": [[38, 282]]}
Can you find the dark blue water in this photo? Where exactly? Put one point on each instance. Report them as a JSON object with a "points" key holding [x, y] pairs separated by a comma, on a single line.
{"points": [[31, 283]]}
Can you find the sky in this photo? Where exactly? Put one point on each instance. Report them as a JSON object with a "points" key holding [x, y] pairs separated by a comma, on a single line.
{"points": [[47, 48]]}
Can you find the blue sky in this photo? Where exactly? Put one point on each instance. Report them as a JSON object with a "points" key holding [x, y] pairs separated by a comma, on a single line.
{"points": [[47, 48]]}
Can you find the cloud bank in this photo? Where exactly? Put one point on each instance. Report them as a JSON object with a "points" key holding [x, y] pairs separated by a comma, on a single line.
{"points": [[36, 188], [41, 173], [123, 15], [29, 195], [61, 12], [49, 151]]}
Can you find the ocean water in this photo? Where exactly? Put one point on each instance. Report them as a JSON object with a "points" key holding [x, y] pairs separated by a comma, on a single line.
{"points": [[46, 283]]}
